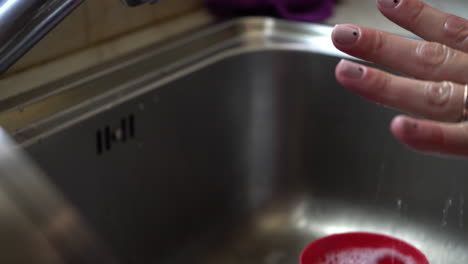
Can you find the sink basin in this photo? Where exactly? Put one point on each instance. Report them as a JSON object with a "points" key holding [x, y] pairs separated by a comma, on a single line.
{"points": [[235, 144]]}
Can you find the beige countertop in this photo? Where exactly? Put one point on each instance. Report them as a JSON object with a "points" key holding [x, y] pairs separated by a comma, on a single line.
{"points": [[32, 78]]}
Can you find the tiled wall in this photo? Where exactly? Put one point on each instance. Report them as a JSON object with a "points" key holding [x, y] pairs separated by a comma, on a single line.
{"points": [[96, 21]]}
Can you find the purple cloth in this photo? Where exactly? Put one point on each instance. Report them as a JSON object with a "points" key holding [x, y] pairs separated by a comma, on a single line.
{"points": [[303, 10]]}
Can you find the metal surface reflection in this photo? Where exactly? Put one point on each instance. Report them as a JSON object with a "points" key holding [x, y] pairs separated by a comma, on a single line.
{"points": [[47, 228], [25, 22], [244, 149]]}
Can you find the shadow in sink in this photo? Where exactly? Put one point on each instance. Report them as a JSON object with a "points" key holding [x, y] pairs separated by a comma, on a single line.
{"points": [[246, 160]]}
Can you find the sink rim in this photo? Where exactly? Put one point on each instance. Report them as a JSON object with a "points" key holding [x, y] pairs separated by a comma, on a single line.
{"points": [[67, 101]]}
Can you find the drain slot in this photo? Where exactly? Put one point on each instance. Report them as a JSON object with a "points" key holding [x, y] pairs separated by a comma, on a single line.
{"points": [[111, 135], [108, 138]]}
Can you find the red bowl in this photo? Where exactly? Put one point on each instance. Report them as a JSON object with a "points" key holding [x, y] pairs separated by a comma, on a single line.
{"points": [[363, 248]]}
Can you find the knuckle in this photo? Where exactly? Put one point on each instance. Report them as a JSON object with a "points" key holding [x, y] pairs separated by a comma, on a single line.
{"points": [[456, 28], [416, 11], [382, 86], [376, 44], [439, 95], [461, 41], [463, 126], [432, 56], [378, 41]]}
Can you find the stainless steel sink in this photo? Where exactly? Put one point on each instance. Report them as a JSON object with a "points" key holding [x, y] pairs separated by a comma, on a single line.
{"points": [[235, 144]]}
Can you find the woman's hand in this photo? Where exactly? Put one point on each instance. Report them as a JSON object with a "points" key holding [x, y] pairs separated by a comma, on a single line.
{"points": [[439, 66]]}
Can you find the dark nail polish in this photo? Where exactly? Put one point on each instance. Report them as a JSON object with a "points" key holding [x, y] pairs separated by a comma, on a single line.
{"points": [[389, 3], [345, 35], [351, 70], [410, 125]]}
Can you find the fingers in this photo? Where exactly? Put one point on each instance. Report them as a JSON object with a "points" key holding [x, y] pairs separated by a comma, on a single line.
{"points": [[425, 60], [427, 22], [440, 101], [436, 100], [432, 137]]}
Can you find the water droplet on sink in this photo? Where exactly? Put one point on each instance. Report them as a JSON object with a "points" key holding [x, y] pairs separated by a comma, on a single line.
{"points": [[445, 211], [400, 206], [141, 106]]}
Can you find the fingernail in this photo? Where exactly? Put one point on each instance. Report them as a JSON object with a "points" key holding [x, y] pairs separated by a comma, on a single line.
{"points": [[409, 125], [453, 25], [389, 3], [346, 35], [351, 70]]}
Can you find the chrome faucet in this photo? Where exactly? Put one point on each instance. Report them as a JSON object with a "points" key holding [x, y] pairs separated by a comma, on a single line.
{"points": [[24, 22]]}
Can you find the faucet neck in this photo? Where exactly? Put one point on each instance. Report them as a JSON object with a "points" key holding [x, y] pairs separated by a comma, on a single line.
{"points": [[25, 22]]}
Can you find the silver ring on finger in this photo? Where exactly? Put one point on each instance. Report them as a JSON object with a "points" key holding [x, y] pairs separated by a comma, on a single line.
{"points": [[464, 116]]}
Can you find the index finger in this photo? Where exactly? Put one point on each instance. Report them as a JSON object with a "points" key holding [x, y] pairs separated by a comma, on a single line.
{"points": [[427, 22]]}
